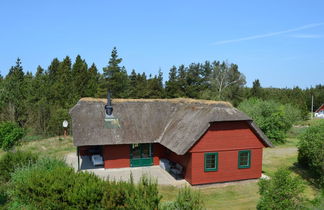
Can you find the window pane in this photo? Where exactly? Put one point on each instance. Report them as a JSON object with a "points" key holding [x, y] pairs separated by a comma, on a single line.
{"points": [[136, 151], [145, 150], [244, 158], [210, 161]]}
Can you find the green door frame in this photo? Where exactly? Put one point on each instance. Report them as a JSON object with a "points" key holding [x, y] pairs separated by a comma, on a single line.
{"points": [[142, 161]]}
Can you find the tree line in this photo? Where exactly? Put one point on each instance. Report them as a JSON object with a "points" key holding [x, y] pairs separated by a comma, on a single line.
{"points": [[41, 101]]}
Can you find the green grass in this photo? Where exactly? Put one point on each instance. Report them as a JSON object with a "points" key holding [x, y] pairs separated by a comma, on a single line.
{"points": [[242, 195], [52, 147], [310, 122]]}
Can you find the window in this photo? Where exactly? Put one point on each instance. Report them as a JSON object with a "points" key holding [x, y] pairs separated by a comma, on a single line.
{"points": [[211, 161], [244, 159]]}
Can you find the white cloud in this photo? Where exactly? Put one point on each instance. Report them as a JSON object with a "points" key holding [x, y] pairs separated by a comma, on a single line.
{"points": [[260, 36], [306, 36]]}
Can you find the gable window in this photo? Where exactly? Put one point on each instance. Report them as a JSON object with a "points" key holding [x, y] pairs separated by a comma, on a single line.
{"points": [[211, 161], [244, 159]]}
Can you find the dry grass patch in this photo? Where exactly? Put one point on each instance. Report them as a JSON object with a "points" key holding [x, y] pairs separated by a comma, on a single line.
{"points": [[237, 196], [51, 147]]}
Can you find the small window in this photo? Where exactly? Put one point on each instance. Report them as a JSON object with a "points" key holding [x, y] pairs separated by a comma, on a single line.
{"points": [[211, 161], [244, 159]]}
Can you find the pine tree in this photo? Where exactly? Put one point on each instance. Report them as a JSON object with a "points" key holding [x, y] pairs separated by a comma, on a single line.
{"points": [[172, 86], [182, 81], [64, 84], [256, 89], [92, 82], [39, 108], [133, 84], [116, 77], [155, 86], [14, 94], [80, 78]]}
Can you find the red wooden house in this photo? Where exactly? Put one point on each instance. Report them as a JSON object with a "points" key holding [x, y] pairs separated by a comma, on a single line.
{"points": [[320, 112], [212, 141]]}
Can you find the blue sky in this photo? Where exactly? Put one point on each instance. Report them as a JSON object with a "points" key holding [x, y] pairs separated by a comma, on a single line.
{"points": [[279, 42]]}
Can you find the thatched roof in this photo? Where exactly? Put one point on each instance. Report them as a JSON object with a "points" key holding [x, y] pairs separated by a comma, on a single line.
{"points": [[175, 123]]}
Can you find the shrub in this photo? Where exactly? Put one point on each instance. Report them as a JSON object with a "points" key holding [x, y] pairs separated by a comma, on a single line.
{"points": [[10, 134], [282, 191], [10, 161], [3, 195], [186, 199], [51, 184], [127, 195], [311, 151], [273, 118]]}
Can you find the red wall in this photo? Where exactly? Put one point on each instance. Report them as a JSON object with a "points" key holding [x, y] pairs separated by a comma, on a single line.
{"points": [[227, 167], [116, 156], [158, 153], [226, 138]]}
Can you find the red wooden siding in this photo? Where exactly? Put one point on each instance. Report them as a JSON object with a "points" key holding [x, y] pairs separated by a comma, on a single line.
{"points": [[226, 138], [227, 167], [158, 153], [116, 156]]}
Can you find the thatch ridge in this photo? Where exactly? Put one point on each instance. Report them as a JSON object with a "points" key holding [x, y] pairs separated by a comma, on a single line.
{"points": [[170, 100]]}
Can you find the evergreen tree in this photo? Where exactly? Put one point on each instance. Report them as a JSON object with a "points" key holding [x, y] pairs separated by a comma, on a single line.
{"points": [[256, 89], [80, 78], [92, 81], [194, 80], [116, 77], [14, 94], [155, 86], [182, 81], [133, 84], [172, 85], [39, 109], [64, 85]]}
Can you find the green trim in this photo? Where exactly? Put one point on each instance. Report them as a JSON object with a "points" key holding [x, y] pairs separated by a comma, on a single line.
{"points": [[216, 161], [141, 161], [248, 165]]}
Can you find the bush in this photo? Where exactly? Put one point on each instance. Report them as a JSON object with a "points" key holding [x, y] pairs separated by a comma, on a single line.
{"points": [[127, 195], [186, 200], [311, 151], [282, 191], [3, 195], [274, 119], [10, 161], [10, 134], [51, 184]]}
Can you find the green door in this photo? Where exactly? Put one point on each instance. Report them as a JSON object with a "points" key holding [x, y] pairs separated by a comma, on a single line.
{"points": [[141, 155]]}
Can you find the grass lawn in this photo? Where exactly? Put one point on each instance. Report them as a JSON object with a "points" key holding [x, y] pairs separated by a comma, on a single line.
{"points": [[235, 196], [52, 147], [240, 195]]}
